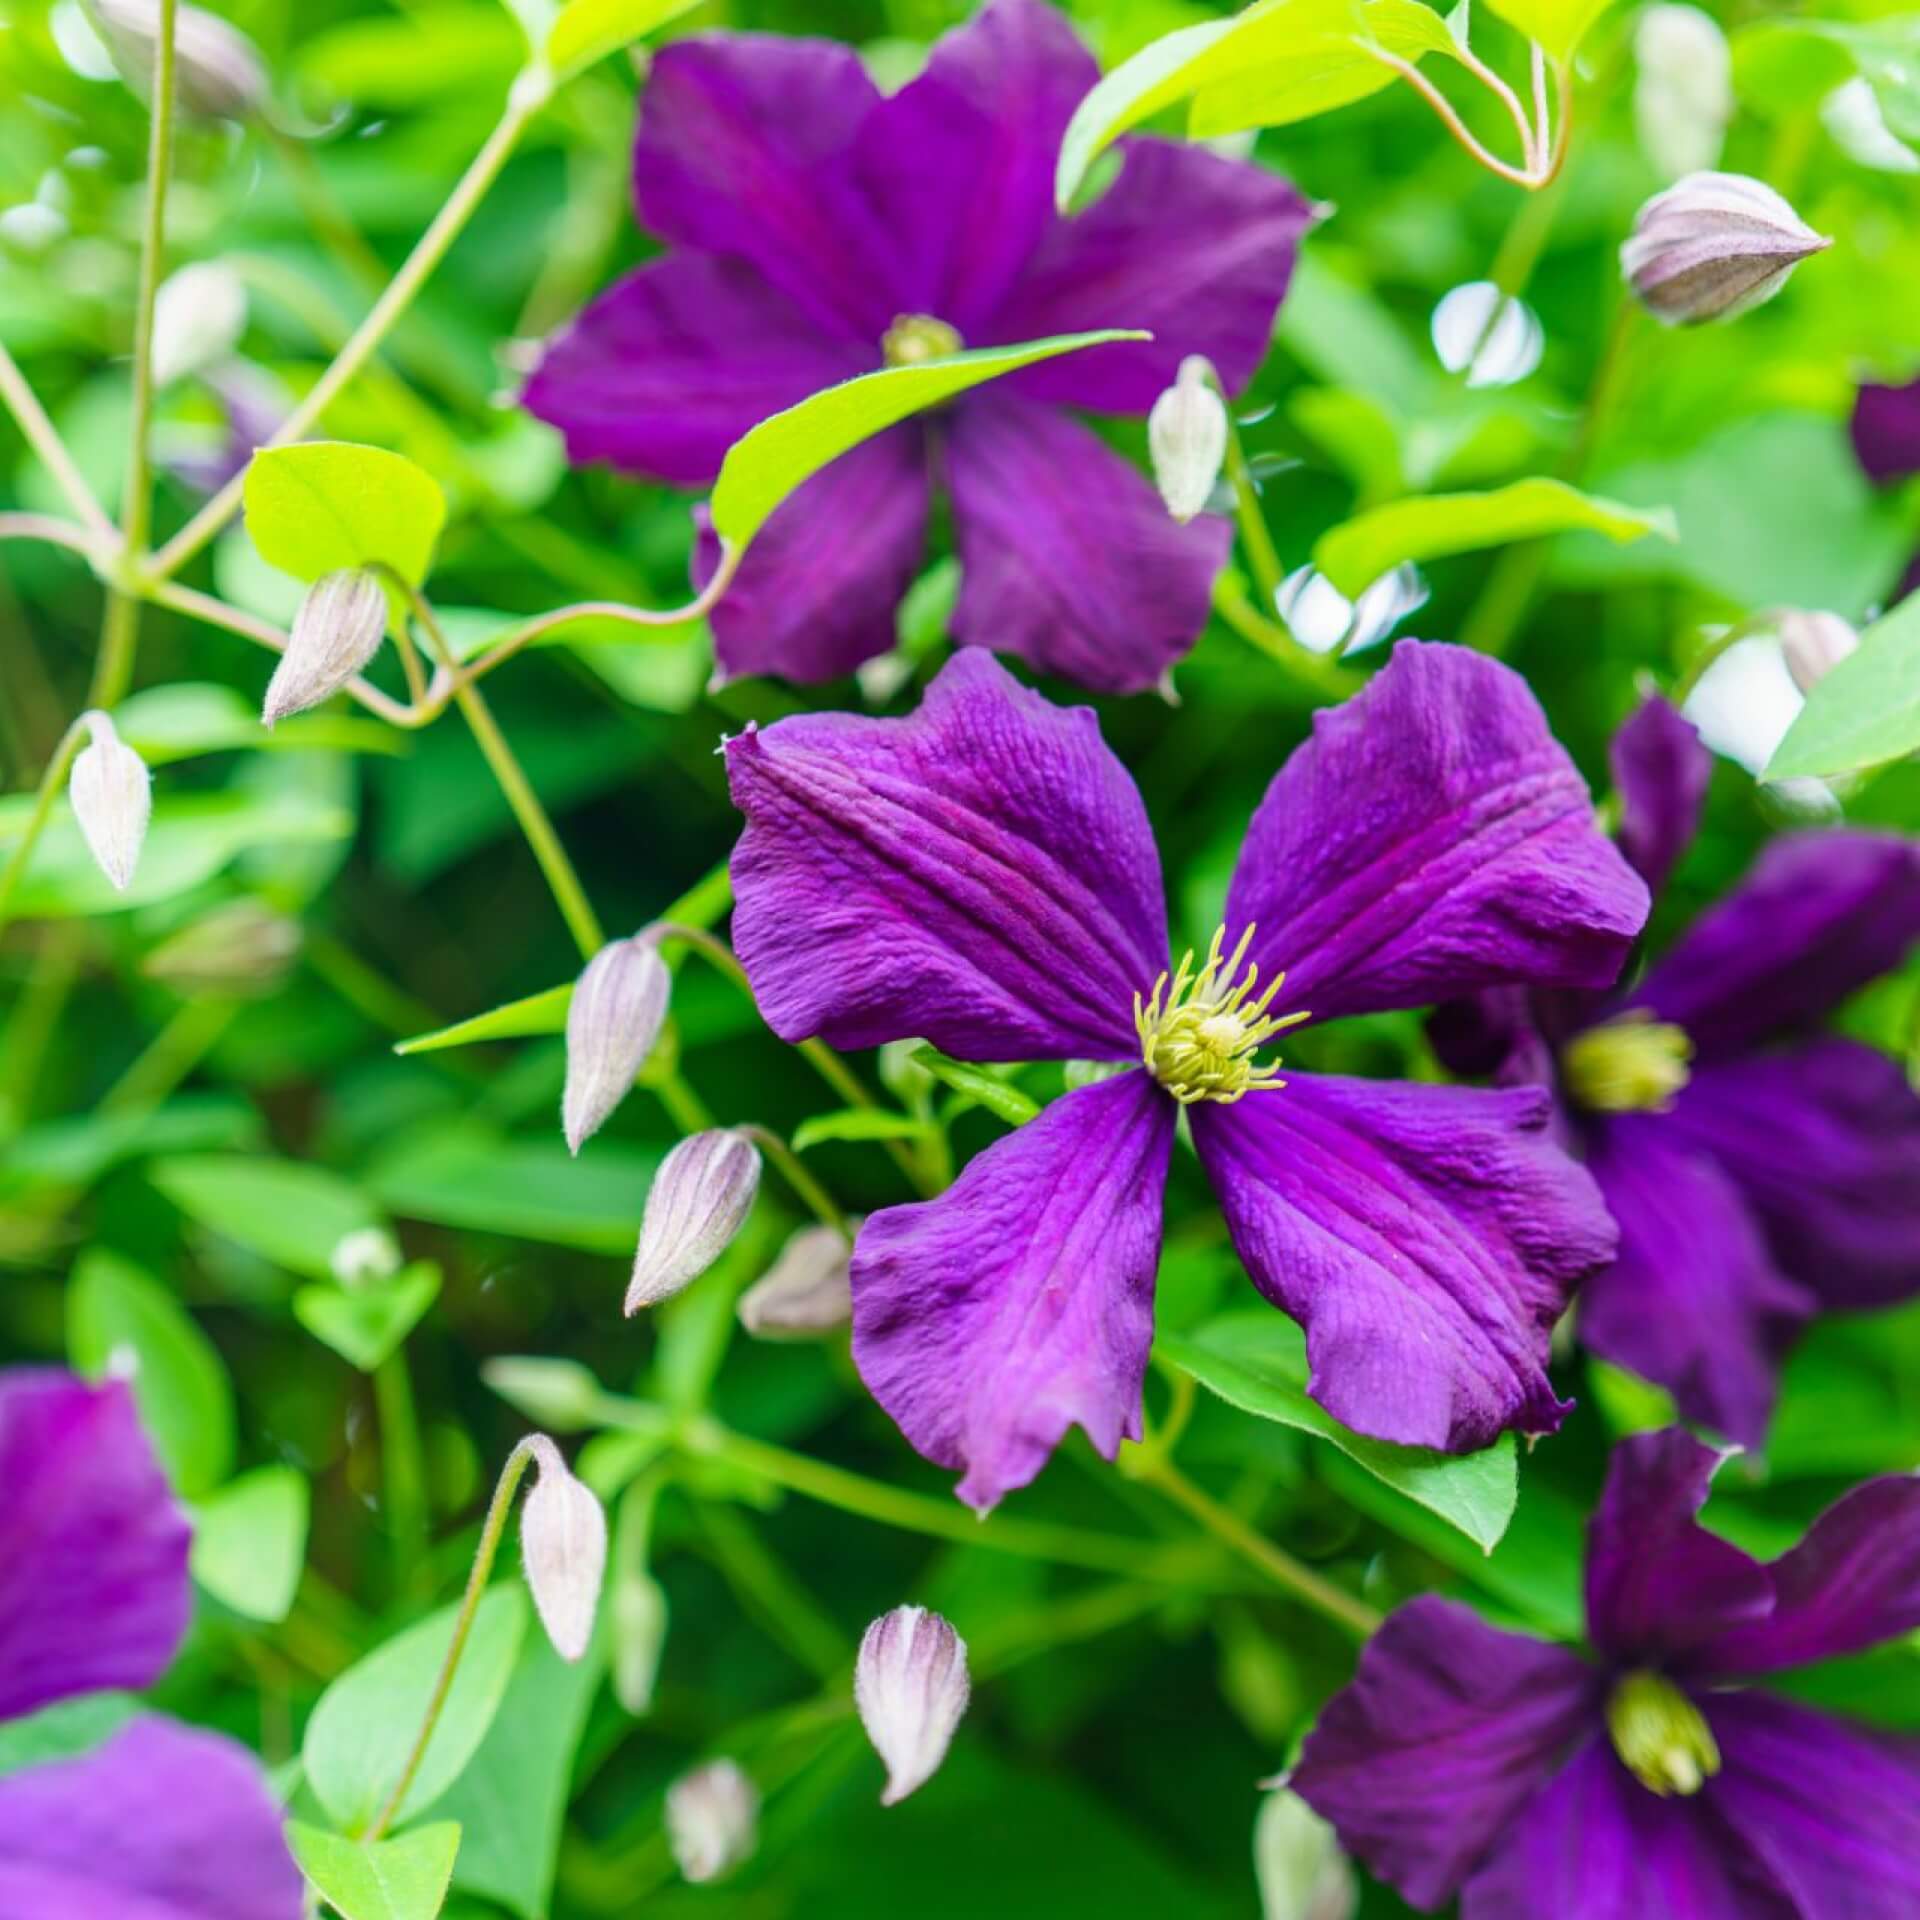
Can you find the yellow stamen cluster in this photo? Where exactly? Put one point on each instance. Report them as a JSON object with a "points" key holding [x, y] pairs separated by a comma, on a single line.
{"points": [[1199, 1031], [915, 338], [1633, 1064], [1662, 1738]]}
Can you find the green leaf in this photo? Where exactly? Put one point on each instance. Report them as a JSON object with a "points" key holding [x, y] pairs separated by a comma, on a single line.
{"points": [[1558, 25], [286, 1211], [1258, 1362], [1865, 711], [320, 505], [250, 1542], [63, 1730], [769, 461], [537, 1013], [1005, 1102], [589, 30], [188, 717], [404, 1879], [367, 1324], [121, 1321], [858, 1123], [428, 53], [360, 1734], [1355, 555]]}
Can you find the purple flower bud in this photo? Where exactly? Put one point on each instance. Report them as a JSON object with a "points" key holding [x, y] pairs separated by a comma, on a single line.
{"points": [[218, 72], [712, 1814], [806, 1292], [699, 1200], [563, 1543], [1814, 644], [910, 1684], [335, 633], [1712, 246], [1187, 439], [613, 1020], [242, 948], [112, 796]]}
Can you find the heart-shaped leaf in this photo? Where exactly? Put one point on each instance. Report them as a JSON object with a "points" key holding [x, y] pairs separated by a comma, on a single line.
{"points": [[363, 1325]]}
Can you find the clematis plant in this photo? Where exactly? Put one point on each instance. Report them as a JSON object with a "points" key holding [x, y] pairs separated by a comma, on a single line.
{"points": [[1656, 1780], [1760, 1171], [983, 875], [818, 231]]}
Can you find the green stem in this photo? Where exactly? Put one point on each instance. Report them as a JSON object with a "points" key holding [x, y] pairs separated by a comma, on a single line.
{"points": [[684, 1107], [170, 1056], [43, 799], [822, 1203], [44, 438], [1326, 678], [35, 1019], [784, 1608], [1256, 539], [402, 1471]]}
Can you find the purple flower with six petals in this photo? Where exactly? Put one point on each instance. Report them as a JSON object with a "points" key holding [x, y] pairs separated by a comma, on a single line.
{"points": [[982, 875], [820, 231], [1759, 1172], [161, 1822], [1531, 1782]]}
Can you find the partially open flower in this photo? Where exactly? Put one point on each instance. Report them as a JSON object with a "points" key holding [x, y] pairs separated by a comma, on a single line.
{"points": [[808, 1291], [112, 795], [563, 1541], [1813, 644], [218, 72], [712, 1817], [1712, 246], [699, 1200], [335, 633], [910, 1684], [613, 1019], [1187, 439]]}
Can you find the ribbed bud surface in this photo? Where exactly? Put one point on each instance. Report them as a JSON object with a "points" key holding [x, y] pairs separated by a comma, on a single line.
{"points": [[699, 1200], [1712, 246], [1187, 439], [807, 1292], [619, 1004], [563, 1543], [112, 796], [910, 1685], [335, 633]]}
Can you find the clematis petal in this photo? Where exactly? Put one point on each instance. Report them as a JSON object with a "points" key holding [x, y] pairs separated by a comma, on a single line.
{"points": [[1819, 915], [1693, 1300], [1658, 1583], [1661, 768], [818, 590], [1194, 248], [1497, 1034], [1430, 839], [1597, 1845], [93, 1546], [1833, 1810], [1449, 1728], [1426, 1237], [1852, 1583], [163, 1822], [662, 373], [1068, 555], [980, 874], [1886, 431], [747, 147], [962, 159], [1823, 1141], [1020, 1302]]}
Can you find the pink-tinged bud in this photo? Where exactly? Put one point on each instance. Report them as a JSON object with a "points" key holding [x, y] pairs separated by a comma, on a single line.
{"points": [[242, 949], [1187, 439], [218, 72], [337, 630], [563, 1542], [806, 1292], [1814, 644], [618, 1005], [712, 1819], [699, 1200], [112, 796], [1712, 246], [1303, 1875], [910, 1685]]}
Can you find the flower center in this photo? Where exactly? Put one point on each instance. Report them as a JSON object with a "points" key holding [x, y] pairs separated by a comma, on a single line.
{"points": [[1634, 1064], [1199, 1031], [915, 338], [1661, 1736]]}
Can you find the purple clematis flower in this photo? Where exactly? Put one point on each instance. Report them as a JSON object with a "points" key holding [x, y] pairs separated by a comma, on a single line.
{"points": [[162, 1822], [1654, 1785], [982, 875], [820, 231], [1886, 431], [1759, 1171]]}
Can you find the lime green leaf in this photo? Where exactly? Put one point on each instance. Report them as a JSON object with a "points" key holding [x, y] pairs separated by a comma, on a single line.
{"points": [[188, 717], [250, 1541], [121, 1321], [367, 1324], [1355, 555], [321, 505], [1865, 711], [982, 1087], [283, 1210], [62, 1731], [589, 30], [1258, 1362], [1558, 25], [425, 54], [537, 1013], [361, 1733], [858, 1123], [769, 461], [404, 1879]]}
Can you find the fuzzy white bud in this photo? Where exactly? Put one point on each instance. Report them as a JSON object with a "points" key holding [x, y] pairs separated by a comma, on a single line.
{"points": [[1712, 246], [1187, 439], [364, 1258], [112, 796], [806, 1292], [1303, 1875], [563, 1543], [639, 1637], [336, 631], [699, 1200], [218, 72], [1683, 94], [1814, 644], [619, 1004], [712, 1819], [199, 315], [910, 1685]]}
